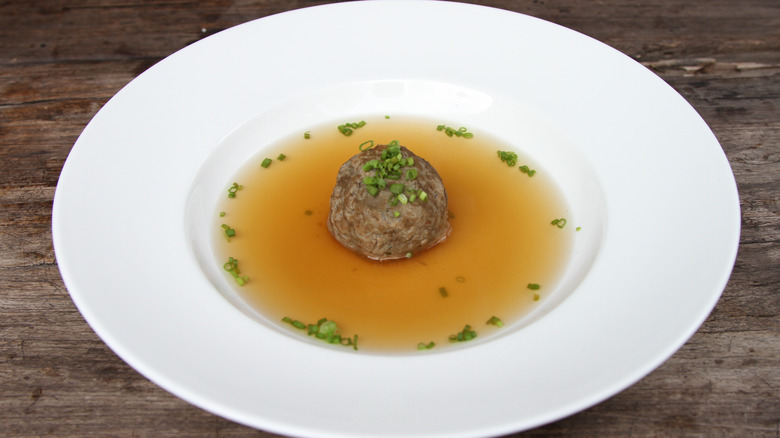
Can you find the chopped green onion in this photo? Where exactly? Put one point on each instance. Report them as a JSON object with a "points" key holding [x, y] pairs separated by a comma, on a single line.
{"points": [[233, 189], [578, 228], [281, 157], [460, 132], [393, 166], [294, 322], [424, 346], [423, 196], [560, 223], [496, 321], [387, 117], [464, 335], [396, 213], [525, 169], [347, 128], [533, 286], [366, 145], [307, 135], [324, 330], [231, 266], [396, 189], [221, 214], [508, 157], [536, 297], [267, 162], [370, 165], [408, 255], [229, 232]]}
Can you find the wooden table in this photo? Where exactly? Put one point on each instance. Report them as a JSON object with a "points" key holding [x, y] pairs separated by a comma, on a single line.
{"points": [[61, 60]]}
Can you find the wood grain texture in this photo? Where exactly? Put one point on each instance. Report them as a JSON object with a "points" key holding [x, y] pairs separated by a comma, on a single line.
{"points": [[60, 61]]}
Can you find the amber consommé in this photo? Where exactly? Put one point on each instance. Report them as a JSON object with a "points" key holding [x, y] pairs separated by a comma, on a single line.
{"points": [[501, 240]]}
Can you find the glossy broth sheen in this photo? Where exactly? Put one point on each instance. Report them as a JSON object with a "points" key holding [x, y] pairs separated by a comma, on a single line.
{"points": [[501, 240]]}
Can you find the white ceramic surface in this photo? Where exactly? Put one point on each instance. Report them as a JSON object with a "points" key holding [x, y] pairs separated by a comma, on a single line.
{"points": [[640, 169]]}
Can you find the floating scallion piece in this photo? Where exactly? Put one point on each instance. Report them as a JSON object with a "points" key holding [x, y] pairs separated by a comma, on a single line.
{"points": [[347, 128], [424, 346], [366, 145], [267, 162], [294, 322], [536, 297], [229, 232], [508, 157], [578, 228], [526, 170], [221, 214], [324, 330], [560, 223], [533, 286], [231, 266], [307, 135], [496, 321], [452, 132], [464, 335], [233, 189], [281, 157]]}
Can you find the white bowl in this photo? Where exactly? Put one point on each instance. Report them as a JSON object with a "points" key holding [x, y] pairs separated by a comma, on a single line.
{"points": [[638, 166]]}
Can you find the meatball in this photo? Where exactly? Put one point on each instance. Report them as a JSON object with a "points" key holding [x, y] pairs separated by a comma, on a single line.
{"points": [[388, 203]]}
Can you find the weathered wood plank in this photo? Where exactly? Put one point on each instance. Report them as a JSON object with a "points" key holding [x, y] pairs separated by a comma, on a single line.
{"points": [[61, 60]]}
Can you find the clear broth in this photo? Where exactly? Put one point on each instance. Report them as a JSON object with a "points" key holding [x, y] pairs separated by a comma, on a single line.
{"points": [[502, 240]]}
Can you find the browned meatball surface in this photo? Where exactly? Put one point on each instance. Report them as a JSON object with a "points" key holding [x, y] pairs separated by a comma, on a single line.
{"points": [[384, 218]]}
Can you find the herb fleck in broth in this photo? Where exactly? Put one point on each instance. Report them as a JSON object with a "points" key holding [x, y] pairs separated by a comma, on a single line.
{"points": [[501, 240]]}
